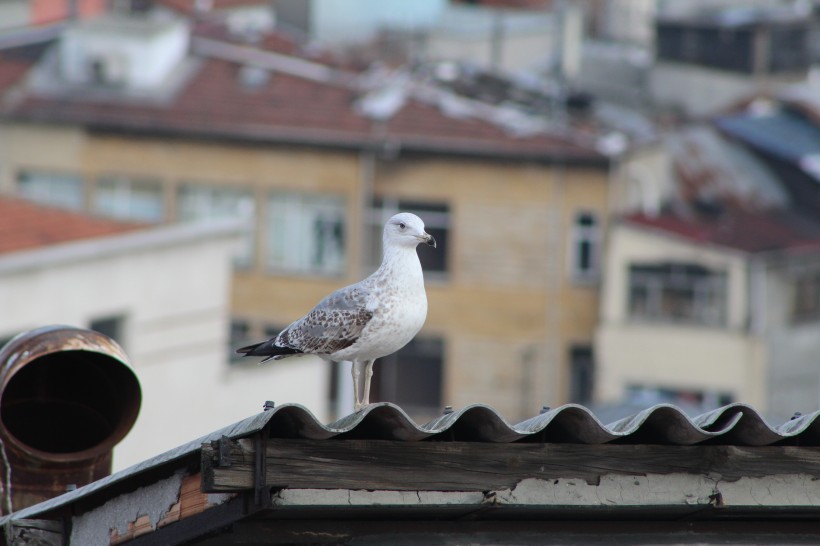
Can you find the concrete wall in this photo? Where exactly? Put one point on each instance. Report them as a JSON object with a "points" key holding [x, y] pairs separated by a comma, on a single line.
{"points": [[144, 51], [794, 347], [703, 91], [172, 293]]}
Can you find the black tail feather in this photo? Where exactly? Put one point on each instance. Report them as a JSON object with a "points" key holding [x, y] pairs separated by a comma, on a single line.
{"points": [[267, 348]]}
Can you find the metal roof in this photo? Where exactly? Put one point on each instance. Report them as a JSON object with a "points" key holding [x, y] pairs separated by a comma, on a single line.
{"points": [[783, 134], [735, 424]]}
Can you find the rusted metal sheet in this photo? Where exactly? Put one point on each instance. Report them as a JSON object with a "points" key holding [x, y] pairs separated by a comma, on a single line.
{"points": [[67, 396]]}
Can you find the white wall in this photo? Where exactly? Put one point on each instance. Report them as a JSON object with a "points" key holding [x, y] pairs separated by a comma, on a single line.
{"points": [[794, 347], [174, 292], [143, 51], [524, 40]]}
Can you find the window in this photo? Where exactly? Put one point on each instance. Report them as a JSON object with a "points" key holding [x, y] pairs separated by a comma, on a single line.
{"points": [[411, 377], [110, 326], [581, 374], [57, 189], [129, 199], [436, 219], [806, 306], [305, 233], [585, 247], [202, 203], [677, 292], [789, 50], [239, 337]]}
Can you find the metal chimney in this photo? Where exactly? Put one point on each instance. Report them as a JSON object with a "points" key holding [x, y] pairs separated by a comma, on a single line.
{"points": [[67, 397]]}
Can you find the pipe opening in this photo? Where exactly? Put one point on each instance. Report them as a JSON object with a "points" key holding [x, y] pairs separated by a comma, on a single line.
{"points": [[70, 401]]}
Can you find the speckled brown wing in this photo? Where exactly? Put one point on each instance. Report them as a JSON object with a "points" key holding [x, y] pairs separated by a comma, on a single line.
{"points": [[334, 324]]}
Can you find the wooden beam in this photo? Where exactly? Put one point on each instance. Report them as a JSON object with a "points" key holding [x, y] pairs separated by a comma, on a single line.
{"points": [[473, 466], [34, 531]]}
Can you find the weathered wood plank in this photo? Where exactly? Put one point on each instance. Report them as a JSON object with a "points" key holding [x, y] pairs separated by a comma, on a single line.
{"points": [[469, 466], [33, 531]]}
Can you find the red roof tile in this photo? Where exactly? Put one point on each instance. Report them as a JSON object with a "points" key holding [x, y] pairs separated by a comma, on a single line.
{"points": [[741, 230], [11, 71], [293, 109], [25, 225]]}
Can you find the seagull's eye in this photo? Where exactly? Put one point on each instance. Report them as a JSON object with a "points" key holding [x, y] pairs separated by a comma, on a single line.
{"points": [[402, 226]]}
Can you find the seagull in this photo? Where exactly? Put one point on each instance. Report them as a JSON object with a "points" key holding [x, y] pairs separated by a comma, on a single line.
{"points": [[367, 320]]}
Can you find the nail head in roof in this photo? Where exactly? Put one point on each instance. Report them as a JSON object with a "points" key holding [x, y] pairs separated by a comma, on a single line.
{"points": [[268, 405], [447, 409], [796, 415], [544, 409]]}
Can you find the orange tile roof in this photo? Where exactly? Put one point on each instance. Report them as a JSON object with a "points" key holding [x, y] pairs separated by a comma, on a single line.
{"points": [[25, 225]]}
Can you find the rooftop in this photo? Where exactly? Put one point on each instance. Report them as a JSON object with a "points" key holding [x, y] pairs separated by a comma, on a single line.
{"points": [[274, 91], [25, 225], [281, 474], [746, 231]]}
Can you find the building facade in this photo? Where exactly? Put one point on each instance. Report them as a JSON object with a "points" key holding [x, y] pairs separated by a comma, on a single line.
{"points": [[314, 158], [706, 313], [163, 292]]}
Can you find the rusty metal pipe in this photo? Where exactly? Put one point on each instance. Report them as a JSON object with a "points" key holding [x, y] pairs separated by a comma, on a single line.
{"points": [[67, 397]]}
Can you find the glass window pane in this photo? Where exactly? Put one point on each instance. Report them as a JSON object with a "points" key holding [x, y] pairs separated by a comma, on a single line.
{"points": [[412, 377], [305, 233], [57, 189], [197, 203], [129, 199], [677, 292], [585, 247]]}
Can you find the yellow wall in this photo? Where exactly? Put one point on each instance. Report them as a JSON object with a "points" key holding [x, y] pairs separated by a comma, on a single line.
{"points": [[508, 310]]}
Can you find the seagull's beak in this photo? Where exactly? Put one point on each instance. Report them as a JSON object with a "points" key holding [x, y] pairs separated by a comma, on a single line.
{"points": [[427, 238]]}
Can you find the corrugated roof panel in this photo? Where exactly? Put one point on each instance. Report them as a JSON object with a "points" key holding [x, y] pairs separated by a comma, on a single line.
{"points": [[735, 424]]}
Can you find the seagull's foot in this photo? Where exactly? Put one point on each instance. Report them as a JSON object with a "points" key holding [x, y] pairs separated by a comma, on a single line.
{"points": [[359, 407]]}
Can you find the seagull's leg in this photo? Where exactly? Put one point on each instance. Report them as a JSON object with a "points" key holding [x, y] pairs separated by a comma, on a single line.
{"points": [[356, 368], [368, 373]]}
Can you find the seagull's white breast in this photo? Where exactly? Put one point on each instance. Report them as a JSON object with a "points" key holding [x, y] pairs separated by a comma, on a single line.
{"points": [[399, 306]]}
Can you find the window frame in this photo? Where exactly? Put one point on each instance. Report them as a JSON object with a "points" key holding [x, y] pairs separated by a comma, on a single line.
{"points": [[805, 306], [708, 293], [124, 191], [269, 261], [592, 236], [246, 257], [53, 177], [387, 374]]}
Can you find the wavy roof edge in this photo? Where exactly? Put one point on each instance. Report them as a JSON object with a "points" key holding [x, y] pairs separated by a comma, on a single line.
{"points": [[735, 424]]}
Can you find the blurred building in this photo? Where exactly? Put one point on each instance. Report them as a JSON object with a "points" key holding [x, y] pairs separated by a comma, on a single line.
{"points": [[22, 13], [708, 311], [514, 184], [783, 132], [163, 292], [711, 289], [707, 61]]}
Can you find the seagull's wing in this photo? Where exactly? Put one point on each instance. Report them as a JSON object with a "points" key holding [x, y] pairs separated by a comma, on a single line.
{"points": [[334, 324]]}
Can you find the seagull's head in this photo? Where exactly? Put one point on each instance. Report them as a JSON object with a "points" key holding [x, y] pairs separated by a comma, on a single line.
{"points": [[406, 229]]}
